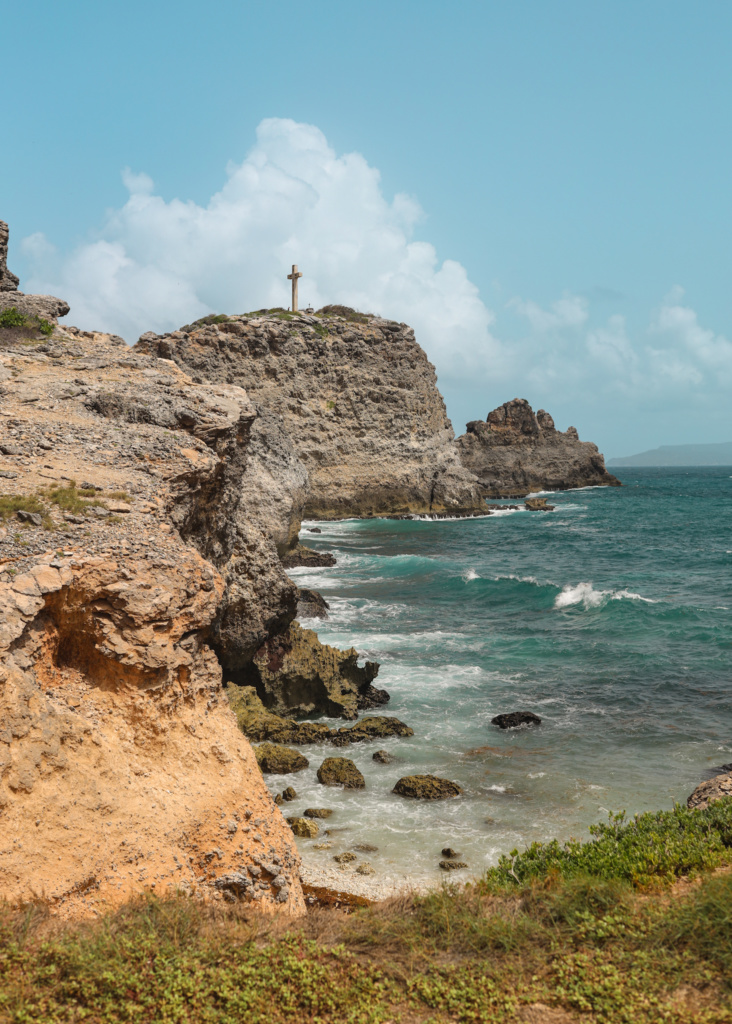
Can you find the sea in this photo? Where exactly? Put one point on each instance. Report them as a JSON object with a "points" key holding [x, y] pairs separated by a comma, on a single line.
{"points": [[609, 617]]}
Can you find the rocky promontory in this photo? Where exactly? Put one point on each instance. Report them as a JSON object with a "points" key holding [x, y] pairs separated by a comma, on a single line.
{"points": [[516, 451], [357, 396]]}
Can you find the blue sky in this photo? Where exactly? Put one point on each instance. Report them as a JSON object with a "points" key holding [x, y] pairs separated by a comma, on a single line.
{"points": [[540, 187]]}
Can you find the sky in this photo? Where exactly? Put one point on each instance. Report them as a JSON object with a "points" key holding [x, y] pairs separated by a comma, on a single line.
{"points": [[541, 188]]}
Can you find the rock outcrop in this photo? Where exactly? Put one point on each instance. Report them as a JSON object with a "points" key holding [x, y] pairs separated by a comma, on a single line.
{"points": [[47, 307], [515, 452], [357, 395], [426, 787], [708, 792], [132, 552], [297, 675]]}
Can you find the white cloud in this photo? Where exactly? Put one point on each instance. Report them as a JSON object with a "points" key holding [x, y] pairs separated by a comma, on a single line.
{"points": [[158, 264], [569, 311]]}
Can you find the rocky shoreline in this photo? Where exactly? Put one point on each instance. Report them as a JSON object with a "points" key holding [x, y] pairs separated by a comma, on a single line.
{"points": [[152, 501]]}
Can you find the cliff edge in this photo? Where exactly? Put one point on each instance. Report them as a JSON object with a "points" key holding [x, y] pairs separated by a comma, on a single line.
{"points": [[516, 451], [357, 396]]}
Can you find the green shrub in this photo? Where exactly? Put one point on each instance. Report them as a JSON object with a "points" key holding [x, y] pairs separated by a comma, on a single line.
{"points": [[650, 847], [205, 321], [346, 312], [12, 317]]}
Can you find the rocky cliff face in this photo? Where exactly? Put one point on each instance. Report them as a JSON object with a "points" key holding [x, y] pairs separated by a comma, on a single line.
{"points": [[132, 548], [46, 306], [358, 398], [516, 451]]}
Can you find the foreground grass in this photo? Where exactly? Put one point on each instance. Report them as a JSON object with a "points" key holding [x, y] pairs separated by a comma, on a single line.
{"points": [[623, 947]]}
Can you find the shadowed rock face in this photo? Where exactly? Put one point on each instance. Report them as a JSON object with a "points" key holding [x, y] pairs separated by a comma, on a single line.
{"points": [[48, 307], [358, 399], [515, 452]]}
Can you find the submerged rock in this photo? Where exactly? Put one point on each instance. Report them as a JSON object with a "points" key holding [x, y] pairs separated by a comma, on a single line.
{"points": [[515, 452], [515, 718], [710, 791], [376, 727], [426, 787], [452, 865], [450, 853], [345, 858], [295, 674], [365, 869], [274, 759], [383, 757], [340, 771], [317, 812], [303, 827]]}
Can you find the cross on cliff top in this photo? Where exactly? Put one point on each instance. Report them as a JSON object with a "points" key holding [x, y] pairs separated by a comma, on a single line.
{"points": [[293, 277]]}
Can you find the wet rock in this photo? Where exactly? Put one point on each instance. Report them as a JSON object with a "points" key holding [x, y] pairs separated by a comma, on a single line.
{"points": [[303, 827], [365, 869], [366, 848], [311, 605], [538, 505], [340, 771], [274, 759], [302, 556], [345, 858], [323, 846], [295, 674], [426, 787], [383, 757], [515, 718], [314, 529], [452, 865], [317, 812], [710, 791], [450, 853], [372, 728], [289, 794], [278, 800]]}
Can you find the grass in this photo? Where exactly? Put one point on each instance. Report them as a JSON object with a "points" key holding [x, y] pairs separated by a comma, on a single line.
{"points": [[12, 317], [11, 504], [68, 498], [590, 937]]}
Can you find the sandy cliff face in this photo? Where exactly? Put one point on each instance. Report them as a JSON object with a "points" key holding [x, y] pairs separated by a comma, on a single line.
{"points": [[121, 765], [359, 401], [515, 452]]}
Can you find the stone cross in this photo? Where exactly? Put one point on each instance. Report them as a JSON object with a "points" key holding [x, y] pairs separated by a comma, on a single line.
{"points": [[293, 277]]}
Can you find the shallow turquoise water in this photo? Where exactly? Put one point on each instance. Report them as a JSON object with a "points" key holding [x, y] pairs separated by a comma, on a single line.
{"points": [[610, 618]]}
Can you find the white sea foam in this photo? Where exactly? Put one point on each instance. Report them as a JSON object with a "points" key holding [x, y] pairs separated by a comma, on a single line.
{"points": [[586, 595], [537, 775], [469, 574]]}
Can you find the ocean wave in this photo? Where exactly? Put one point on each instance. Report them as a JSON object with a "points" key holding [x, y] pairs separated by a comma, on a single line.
{"points": [[586, 595], [469, 574]]}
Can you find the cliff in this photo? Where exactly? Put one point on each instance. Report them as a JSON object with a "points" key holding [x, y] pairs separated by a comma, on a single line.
{"points": [[137, 556], [516, 451], [358, 399]]}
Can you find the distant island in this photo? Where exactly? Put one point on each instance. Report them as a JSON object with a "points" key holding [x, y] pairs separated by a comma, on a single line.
{"points": [[719, 454]]}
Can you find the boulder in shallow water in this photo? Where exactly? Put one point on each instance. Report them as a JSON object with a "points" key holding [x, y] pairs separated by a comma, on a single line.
{"points": [[426, 787], [375, 727], [452, 865], [317, 812], [289, 794], [345, 858], [514, 719], [303, 827], [710, 791], [383, 757], [340, 771], [365, 869], [274, 759], [538, 505], [449, 853], [302, 556]]}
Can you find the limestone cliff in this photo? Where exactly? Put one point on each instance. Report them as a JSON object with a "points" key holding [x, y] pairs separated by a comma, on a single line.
{"points": [[515, 452], [134, 544], [358, 398]]}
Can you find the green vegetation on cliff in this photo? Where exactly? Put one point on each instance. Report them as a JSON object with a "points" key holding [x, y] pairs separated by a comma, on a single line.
{"points": [[594, 935]]}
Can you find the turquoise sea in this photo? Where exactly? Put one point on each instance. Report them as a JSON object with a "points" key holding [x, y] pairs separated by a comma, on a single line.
{"points": [[609, 617]]}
